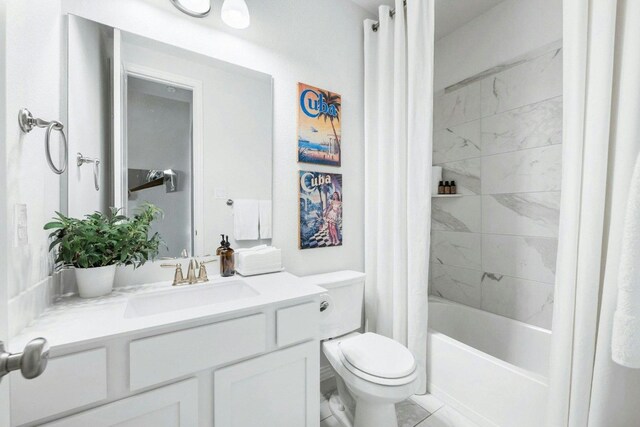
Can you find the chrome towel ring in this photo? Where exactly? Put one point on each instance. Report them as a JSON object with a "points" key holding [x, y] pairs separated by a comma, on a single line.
{"points": [[27, 122]]}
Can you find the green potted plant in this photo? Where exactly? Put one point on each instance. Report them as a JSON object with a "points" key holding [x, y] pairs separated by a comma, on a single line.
{"points": [[95, 245]]}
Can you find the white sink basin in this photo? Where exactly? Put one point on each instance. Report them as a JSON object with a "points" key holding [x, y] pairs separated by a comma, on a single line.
{"points": [[189, 296]]}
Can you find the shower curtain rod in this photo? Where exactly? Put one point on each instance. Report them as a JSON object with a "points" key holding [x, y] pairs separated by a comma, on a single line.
{"points": [[392, 13]]}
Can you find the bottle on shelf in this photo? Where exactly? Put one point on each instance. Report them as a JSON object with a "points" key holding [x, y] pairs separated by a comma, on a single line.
{"points": [[441, 188], [454, 188], [447, 187]]}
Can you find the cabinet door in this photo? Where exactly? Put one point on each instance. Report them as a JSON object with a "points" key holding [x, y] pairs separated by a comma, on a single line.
{"points": [[280, 389], [171, 406]]}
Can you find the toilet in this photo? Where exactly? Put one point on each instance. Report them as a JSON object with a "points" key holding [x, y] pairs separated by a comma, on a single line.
{"points": [[373, 372]]}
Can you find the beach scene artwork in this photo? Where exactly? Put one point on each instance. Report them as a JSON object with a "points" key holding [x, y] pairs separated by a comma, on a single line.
{"points": [[320, 209], [319, 138]]}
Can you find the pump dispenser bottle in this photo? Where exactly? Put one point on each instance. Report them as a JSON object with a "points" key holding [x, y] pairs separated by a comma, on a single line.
{"points": [[221, 247], [227, 267]]}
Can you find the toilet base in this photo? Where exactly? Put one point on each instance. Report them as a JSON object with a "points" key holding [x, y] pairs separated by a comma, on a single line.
{"points": [[366, 415], [340, 412], [375, 415]]}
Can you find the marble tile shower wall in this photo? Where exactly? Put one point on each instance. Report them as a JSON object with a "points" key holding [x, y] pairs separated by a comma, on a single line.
{"points": [[500, 139]]}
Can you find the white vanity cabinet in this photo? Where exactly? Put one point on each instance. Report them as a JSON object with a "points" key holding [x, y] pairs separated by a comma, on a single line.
{"points": [[257, 368], [279, 389]]}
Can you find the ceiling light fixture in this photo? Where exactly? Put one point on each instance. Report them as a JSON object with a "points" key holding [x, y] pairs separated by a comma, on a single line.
{"points": [[195, 8], [235, 14]]}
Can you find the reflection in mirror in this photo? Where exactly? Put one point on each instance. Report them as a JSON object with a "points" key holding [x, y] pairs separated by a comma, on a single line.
{"points": [[159, 147], [188, 133]]}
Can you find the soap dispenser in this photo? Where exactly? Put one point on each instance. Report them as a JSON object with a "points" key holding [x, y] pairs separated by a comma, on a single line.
{"points": [[221, 247], [227, 267]]}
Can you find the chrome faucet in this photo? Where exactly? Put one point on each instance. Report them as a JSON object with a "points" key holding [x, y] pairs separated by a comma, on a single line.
{"points": [[192, 278]]}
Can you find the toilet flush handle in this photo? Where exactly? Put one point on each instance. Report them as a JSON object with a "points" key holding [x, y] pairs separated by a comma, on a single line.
{"points": [[324, 305]]}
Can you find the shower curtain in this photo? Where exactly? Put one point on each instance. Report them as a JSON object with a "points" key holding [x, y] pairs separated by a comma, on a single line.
{"points": [[601, 143], [398, 150]]}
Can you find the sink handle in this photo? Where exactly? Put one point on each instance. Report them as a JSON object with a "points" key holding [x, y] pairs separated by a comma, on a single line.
{"points": [[178, 277]]}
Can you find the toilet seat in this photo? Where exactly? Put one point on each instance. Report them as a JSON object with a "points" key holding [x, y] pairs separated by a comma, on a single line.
{"points": [[377, 380], [378, 355], [377, 359]]}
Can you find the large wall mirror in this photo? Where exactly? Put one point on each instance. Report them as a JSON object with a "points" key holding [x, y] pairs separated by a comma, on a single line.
{"points": [[189, 133]]}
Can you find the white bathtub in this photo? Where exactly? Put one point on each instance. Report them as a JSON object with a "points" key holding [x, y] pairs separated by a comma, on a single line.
{"points": [[490, 368]]}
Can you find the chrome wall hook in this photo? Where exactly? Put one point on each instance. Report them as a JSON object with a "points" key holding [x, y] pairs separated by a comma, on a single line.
{"points": [[81, 160], [27, 122]]}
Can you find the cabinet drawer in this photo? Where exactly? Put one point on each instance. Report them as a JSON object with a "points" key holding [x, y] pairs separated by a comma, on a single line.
{"points": [[68, 382], [175, 405], [164, 357], [296, 324]]}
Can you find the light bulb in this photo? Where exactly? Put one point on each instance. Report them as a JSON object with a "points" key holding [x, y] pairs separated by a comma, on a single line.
{"points": [[235, 14]]}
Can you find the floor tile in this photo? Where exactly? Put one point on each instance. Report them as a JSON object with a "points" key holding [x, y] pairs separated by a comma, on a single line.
{"points": [[325, 412], [447, 417], [330, 422], [409, 414], [428, 402]]}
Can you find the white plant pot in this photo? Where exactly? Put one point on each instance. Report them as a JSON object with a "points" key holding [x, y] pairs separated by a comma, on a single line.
{"points": [[96, 281]]}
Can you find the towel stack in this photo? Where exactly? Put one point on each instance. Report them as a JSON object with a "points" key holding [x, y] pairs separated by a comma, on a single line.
{"points": [[258, 260]]}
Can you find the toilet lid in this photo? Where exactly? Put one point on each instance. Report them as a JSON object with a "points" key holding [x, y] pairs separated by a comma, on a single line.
{"points": [[378, 356]]}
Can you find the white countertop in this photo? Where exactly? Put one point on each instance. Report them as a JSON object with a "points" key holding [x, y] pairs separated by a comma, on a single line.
{"points": [[73, 320]]}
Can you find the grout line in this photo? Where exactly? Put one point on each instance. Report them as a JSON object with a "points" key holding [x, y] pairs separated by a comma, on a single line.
{"points": [[481, 233], [482, 271], [483, 156], [509, 192], [521, 106], [527, 57], [498, 113]]}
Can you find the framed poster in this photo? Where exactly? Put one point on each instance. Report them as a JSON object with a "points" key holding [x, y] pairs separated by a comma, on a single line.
{"points": [[319, 136], [320, 209]]}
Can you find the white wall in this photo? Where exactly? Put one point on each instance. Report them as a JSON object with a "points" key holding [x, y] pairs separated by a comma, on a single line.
{"points": [[89, 111], [507, 31], [4, 324], [36, 79], [293, 41]]}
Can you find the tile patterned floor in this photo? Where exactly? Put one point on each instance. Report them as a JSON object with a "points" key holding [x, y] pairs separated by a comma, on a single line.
{"points": [[419, 411]]}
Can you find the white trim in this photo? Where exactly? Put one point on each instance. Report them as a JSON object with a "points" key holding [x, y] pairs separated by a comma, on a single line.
{"points": [[195, 86], [118, 133]]}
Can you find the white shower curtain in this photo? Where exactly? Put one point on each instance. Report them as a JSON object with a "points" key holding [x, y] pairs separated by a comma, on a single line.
{"points": [[601, 143], [398, 151]]}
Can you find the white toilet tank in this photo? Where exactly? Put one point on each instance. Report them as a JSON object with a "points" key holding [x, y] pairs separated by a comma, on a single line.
{"points": [[345, 297]]}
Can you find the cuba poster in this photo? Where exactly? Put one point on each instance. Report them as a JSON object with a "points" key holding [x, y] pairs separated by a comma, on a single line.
{"points": [[319, 135], [320, 209]]}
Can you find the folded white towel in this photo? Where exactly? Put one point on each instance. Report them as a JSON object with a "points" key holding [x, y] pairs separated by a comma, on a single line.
{"points": [[265, 219], [625, 342], [246, 217]]}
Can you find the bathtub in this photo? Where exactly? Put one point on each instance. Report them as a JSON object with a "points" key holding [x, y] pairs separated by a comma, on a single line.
{"points": [[488, 367]]}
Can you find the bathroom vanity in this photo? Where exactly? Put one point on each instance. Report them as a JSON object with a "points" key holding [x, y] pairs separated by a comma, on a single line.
{"points": [[156, 355]]}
